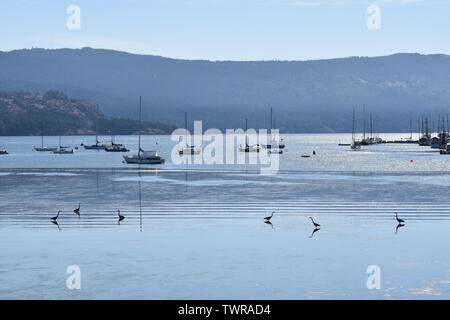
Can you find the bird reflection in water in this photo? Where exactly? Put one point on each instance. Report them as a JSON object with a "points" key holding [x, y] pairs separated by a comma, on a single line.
{"points": [[57, 224], [400, 225], [314, 231], [269, 223]]}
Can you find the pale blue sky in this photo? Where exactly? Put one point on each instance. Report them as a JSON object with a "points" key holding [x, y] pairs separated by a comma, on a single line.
{"points": [[230, 29]]}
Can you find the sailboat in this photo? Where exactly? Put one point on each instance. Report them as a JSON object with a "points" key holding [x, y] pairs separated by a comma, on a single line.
{"points": [[425, 139], [189, 150], [62, 149], [115, 147], [97, 146], [143, 157], [44, 149], [356, 145], [440, 141], [248, 148], [274, 144]]}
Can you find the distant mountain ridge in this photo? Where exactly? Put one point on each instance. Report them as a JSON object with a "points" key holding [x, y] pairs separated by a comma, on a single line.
{"points": [[307, 96], [24, 113]]}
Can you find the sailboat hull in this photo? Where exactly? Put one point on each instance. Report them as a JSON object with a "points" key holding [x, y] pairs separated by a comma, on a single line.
{"points": [[45, 149], [142, 160], [189, 151], [249, 149], [116, 149], [94, 147]]}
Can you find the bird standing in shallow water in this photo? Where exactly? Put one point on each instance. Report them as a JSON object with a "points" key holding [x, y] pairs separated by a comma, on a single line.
{"points": [[398, 219], [55, 217], [77, 210], [315, 224], [269, 217], [121, 217]]}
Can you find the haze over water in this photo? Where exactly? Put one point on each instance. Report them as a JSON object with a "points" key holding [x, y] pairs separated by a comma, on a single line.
{"points": [[199, 233]]}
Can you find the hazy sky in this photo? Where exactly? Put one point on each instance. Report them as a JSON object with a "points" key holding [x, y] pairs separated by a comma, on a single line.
{"points": [[230, 29]]}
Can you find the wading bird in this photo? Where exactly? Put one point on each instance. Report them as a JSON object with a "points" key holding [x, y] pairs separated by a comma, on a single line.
{"points": [[315, 224], [269, 217], [77, 210], [55, 217], [398, 219], [121, 217]]}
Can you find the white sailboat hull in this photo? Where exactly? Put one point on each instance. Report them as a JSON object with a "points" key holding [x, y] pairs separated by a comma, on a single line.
{"points": [[189, 151], [250, 149]]}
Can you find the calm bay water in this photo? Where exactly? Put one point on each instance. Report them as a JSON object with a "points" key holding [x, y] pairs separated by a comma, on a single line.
{"points": [[197, 231]]}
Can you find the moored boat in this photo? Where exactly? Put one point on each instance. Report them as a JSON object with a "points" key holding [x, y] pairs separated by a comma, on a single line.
{"points": [[356, 145], [97, 146], [116, 147], [188, 150], [247, 148], [192, 150], [275, 151], [62, 149], [143, 157], [274, 143], [43, 148]]}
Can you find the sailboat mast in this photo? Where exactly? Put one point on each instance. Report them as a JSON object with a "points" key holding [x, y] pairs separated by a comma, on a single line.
{"points": [[271, 119], [246, 139], [186, 126], [364, 122], [353, 126], [140, 119], [410, 128]]}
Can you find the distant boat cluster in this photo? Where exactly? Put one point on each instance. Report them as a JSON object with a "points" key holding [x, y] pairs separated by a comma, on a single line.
{"points": [[439, 140], [369, 137], [275, 146]]}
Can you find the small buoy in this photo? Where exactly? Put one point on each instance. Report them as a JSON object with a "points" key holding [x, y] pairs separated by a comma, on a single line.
{"points": [[314, 152]]}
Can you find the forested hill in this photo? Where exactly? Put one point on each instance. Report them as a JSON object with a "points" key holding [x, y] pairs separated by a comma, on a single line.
{"points": [[24, 113], [306, 96]]}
